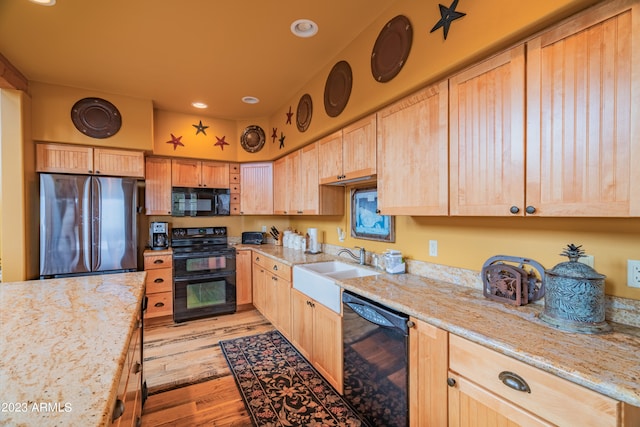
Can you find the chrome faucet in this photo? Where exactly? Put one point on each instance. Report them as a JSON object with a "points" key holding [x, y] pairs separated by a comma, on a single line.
{"points": [[361, 257]]}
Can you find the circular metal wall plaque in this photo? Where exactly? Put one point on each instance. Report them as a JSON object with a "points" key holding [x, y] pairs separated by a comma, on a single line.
{"points": [[338, 88], [391, 50], [305, 110], [96, 117], [252, 139]]}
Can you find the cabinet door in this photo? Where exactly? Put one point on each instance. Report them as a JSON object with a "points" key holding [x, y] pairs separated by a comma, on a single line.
{"points": [[327, 344], [185, 173], [259, 288], [309, 181], [583, 140], [256, 195], [412, 154], [118, 162], [302, 323], [281, 187], [487, 137], [243, 277], [282, 315], [428, 364], [330, 158], [157, 196], [295, 178], [214, 174], [58, 158], [359, 148]]}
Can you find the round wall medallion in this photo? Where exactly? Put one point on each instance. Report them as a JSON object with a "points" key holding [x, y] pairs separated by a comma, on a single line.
{"points": [[391, 50], [96, 117], [338, 88], [305, 110], [252, 139]]}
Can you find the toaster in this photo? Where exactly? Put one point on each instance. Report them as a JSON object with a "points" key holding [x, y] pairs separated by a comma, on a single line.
{"points": [[252, 237]]}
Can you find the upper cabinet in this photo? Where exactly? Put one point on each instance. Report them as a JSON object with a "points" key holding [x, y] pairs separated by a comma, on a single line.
{"points": [[486, 113], [256, 197], [412, 154], [349, 153], [197, 173], [583, 110], [157, 196], [68, 158]]}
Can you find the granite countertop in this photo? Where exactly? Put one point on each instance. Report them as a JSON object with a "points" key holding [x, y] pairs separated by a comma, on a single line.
{"points": [[607, 363], [63, 344]]}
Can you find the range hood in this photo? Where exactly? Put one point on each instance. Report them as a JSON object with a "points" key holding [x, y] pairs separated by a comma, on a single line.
{"points": [[345, 182]]}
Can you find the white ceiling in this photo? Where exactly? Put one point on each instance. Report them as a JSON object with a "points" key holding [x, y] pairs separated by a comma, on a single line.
{"points": [[174, 52]]}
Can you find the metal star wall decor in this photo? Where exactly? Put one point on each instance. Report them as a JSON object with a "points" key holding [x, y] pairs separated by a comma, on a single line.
{"points": [[282, 140], [175, 141], [200, 128], [274, 135], [448, 15], [221, 142], [289, 115]]}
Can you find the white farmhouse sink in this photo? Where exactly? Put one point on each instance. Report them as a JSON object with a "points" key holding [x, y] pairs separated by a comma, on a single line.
{"points": [[318, 280]]}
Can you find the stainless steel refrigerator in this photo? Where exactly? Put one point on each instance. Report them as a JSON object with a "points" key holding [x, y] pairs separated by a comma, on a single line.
{"points": [[87, 225]]}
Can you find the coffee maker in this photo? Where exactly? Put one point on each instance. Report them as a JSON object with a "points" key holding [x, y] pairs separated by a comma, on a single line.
{"points": [[159, 235]]}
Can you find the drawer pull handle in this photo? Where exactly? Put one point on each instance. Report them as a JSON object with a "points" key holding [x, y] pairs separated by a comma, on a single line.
{"points": [[514, 381], [118, 410], [159, 304], [158, 261], [158, 280], [137, 368], [275, 267]]}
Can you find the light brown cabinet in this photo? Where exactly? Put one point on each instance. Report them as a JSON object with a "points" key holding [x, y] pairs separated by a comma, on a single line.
{"points": [[159, 283], [272, 291], [428, 364], [485, 385], [199, 173], [317, 333], [413, 154], [234, 188], [68, 158], [349, 153], [256, 197], [244, 287], [583, 132], [157, 197]]}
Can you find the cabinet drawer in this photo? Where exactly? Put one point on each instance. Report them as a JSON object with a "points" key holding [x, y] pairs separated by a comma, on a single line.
{"points": [[235, 188], [159, 280], [234, 178], [160, 304], [157, 261], [552, 398], [273, 266]]}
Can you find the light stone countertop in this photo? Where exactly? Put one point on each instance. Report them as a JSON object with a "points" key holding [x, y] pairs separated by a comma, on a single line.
{"points": [[63, 344], [607, 363]]}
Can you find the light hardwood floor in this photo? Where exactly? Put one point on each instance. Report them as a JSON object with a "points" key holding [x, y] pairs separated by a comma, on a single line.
{"points": [[189, 381]]}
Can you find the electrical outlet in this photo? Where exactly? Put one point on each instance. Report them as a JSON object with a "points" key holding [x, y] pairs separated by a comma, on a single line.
{"points": [[633, 273], [264, 228], [433, 248], [587, 259]]}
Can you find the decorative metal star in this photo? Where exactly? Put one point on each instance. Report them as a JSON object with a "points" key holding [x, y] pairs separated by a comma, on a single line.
{"points": [[274, 135], [448, 15], [282, 140], [175, 141], [221, 142], [289, 115], [200, 128]]}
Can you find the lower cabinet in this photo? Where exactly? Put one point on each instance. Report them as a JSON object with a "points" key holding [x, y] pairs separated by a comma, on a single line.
{"points": [[428, 364], [272, 291], [489, 388], [128, 406], [159, 283], [243, 278], [316, 331]]}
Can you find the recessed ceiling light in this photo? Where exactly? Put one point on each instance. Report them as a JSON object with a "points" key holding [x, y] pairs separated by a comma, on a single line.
{"points": [[304, 28], [199, 104], [250, 100], [44, 2]]}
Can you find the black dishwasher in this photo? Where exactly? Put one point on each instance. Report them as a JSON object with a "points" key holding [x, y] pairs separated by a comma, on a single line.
{"points": [[376, 358]]}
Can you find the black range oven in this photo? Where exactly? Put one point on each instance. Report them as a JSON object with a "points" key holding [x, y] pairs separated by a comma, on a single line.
{"points": [[204, 273]]}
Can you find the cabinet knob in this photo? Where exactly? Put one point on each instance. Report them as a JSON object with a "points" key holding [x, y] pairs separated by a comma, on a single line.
{"points": [[451, 382], [530, 210], [377, 211], [159, 304], [137, 368], [514, 209], [275, 267], [514, 381]]}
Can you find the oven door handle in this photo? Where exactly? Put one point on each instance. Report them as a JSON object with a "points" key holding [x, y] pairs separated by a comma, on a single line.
{"points": [[178, 278]]}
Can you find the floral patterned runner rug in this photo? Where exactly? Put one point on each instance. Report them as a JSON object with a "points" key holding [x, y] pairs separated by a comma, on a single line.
{"points": [[280, 388]]}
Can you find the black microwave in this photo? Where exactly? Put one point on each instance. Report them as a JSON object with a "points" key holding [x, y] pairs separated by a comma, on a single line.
{"points": [[200, 201]]}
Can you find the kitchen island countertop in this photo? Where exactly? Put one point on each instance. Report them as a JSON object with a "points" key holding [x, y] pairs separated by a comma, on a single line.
{"points": [[606, 363], [63, 344]]}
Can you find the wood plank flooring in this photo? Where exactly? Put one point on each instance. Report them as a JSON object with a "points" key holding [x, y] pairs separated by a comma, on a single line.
{"points": [[188, 378]]}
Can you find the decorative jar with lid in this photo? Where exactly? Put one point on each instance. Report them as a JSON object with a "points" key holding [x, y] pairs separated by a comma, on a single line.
{"points": [[574, 296]]}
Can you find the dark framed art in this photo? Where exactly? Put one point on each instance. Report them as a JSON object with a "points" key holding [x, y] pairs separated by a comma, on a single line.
{"points": [[366, 223]]}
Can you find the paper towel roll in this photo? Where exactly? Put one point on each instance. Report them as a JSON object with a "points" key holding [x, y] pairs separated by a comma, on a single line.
{"points": [[314, 246]]}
